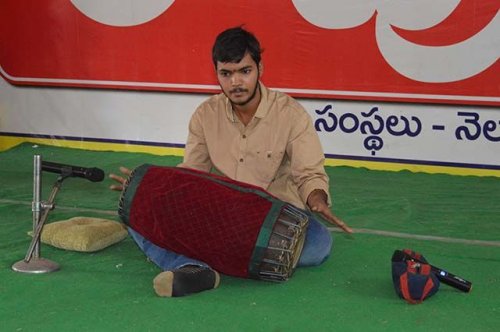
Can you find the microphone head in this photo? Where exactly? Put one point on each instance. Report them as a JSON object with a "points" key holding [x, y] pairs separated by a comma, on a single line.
{"points": [[94, 174]]}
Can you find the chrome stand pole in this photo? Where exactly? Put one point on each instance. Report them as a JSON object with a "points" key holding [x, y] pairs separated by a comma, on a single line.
{"points": [[33, 263]]}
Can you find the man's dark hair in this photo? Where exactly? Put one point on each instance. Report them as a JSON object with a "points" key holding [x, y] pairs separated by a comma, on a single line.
{"points": [[232, 44]]}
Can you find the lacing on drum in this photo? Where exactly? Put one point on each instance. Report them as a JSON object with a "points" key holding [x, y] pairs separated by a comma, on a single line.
{"points": [[121, 202], [285, 245]]}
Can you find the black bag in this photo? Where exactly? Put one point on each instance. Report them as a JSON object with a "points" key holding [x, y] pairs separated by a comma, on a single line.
{"points": [[413, 279]]}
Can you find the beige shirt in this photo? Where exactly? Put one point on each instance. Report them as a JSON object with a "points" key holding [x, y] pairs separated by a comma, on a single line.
{"points": [[279, 150]]}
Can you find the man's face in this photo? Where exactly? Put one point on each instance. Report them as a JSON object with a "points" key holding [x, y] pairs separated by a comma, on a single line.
{"points": [[239, 81]]}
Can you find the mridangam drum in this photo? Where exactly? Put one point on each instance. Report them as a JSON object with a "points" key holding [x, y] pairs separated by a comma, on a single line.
{"points": [[285, 245], [236, 228]]}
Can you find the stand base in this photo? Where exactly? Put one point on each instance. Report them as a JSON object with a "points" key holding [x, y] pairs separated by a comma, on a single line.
{"points": [[36, 265]]}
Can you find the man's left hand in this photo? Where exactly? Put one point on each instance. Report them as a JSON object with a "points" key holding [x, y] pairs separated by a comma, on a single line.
{"points": [[317, 202]]}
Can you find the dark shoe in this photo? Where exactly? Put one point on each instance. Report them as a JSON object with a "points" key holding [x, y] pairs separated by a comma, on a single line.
{"points": [[186, 280]]}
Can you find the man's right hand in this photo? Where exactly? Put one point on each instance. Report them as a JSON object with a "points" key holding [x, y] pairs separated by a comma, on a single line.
{"points": [[120, 179]]}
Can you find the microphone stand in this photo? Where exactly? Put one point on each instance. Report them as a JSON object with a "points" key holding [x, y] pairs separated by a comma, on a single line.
{"points": [[32, 262]]}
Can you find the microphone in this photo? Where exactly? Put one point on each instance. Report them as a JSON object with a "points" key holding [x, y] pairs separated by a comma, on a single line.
{"points": [[93, 174], [443, 276]]}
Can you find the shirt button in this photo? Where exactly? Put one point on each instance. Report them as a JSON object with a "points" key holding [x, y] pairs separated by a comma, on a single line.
{"points": [[244, 136], [241, 160]]}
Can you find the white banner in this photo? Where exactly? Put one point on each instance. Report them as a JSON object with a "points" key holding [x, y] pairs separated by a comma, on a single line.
{"points": [[409, 133], [446, 135]]}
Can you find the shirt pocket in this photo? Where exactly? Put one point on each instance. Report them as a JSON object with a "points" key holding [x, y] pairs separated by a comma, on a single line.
{"points": [[267, 164]]}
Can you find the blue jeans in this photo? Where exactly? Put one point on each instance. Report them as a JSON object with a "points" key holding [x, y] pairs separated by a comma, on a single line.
{"points": [[317, 247]]}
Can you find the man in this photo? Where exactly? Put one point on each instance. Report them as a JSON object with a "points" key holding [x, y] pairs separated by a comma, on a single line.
{"points": [[255, 135]]}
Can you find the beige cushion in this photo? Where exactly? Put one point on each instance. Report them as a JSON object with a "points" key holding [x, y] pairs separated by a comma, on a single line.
{"points": [[83, 233]]}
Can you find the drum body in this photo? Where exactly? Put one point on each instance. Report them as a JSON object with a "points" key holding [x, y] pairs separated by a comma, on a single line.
{"points": [[236, 228]]}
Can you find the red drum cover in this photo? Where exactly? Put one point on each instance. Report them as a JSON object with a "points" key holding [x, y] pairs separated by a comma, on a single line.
{"points": [[222, 222]]}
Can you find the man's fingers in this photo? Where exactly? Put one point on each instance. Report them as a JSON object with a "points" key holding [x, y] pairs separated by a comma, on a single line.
{"points": [[116, 187], [336, 220], [341, 224], [120, 179], [125, 171], [117, 178]]}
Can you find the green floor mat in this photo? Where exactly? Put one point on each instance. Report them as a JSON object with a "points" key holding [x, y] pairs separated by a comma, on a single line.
{"points": [[111, 290]]}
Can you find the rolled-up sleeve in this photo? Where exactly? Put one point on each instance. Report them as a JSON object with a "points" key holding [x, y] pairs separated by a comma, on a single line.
{"points": [[196, 154], [307, 158]]}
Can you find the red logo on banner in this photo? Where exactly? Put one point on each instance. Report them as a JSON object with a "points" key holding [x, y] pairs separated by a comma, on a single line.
{"points": [[419, 51]]}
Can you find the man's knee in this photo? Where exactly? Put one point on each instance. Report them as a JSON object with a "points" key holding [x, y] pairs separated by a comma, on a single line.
{"points": [[325, 247], [318, 244]]}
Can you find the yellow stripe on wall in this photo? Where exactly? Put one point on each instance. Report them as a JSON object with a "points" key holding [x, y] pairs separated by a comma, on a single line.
{"points": [[7, 142], [384, 166]]}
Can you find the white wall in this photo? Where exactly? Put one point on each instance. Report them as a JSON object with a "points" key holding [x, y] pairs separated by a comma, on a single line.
{"points": [[162, 117]]}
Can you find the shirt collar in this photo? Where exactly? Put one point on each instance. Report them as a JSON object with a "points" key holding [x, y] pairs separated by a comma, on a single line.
{"points": [[262, 109]]}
